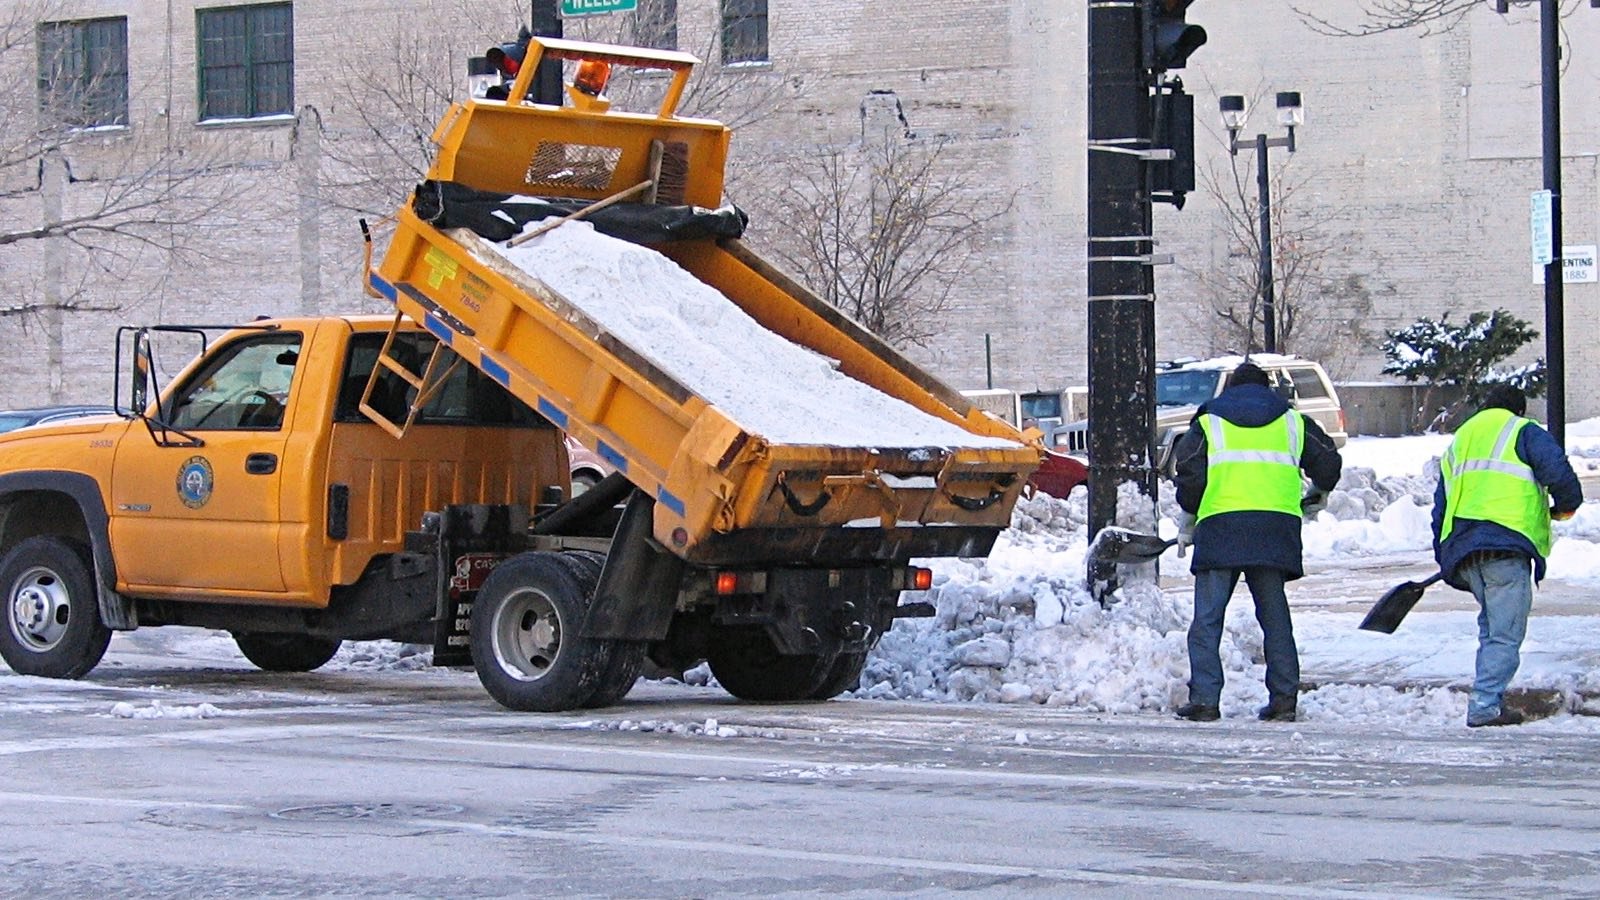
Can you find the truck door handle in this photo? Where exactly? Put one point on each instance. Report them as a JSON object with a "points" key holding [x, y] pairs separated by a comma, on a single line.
{"points": [[261, 463]]}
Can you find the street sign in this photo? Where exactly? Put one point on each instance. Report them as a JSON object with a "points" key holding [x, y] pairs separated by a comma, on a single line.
{"points": [[1577, 266], [1543, 232], [571, 8]]}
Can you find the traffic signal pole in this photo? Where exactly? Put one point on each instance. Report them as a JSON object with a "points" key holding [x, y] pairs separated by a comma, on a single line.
{"points": [[547, 81], [1121, 286]]}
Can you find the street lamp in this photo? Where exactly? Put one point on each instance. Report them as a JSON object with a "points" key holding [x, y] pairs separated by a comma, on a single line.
{"points": [[1291, 115]]}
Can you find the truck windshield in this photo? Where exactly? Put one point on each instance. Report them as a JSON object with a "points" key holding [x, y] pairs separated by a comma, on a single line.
{"points": [[1188, 387]]}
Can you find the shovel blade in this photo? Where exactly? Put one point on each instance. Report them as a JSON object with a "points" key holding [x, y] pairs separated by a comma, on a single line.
{"points": [[1386, 615], [1119, 545]]}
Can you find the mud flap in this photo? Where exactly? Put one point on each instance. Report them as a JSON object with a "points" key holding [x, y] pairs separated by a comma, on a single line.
{"points": [[638, 588]]}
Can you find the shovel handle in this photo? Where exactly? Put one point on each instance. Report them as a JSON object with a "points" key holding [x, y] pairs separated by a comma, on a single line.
{"points": [[593, 207]]}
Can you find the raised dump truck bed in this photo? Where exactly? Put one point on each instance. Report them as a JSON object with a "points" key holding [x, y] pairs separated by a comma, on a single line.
{"points": [[553, 321]]}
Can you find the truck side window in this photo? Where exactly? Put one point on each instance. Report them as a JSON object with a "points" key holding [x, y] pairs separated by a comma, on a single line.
{"points": [[468, 397], [245, 386]]}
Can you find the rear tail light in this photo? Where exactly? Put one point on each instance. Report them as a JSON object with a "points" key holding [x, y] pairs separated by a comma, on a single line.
{"points": [[727, 583], [912, 578]]}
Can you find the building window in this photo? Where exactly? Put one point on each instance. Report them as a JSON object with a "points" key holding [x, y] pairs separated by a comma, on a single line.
{"points": [[246, 61], [83, 72], [656, 24], [744, 31]]}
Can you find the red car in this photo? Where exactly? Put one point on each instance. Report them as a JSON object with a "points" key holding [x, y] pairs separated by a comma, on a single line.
{"points": [[1059, 474], [588, 467]]}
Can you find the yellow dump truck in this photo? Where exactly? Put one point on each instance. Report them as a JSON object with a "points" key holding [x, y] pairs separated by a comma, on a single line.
{"points": [[308, 481]]}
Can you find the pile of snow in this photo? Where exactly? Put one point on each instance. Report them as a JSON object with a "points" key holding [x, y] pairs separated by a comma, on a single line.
{"points": [[1020, 627], [687, 329], [159, 710]]}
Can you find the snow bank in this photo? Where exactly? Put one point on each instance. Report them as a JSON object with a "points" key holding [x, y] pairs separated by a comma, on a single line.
{"points": [[770, 386], [1020, 627]]}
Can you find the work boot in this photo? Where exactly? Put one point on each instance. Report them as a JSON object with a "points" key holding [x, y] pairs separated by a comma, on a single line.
{"points": [[1199, 712], [1504, 717], [1278, 709]]}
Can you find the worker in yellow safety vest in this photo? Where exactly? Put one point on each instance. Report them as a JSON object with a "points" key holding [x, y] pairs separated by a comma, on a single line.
{"points": [[1239, 483], [1501, 482]]}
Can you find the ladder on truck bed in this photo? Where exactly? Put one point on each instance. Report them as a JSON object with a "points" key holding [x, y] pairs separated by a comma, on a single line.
{"points": [[423, 386]]}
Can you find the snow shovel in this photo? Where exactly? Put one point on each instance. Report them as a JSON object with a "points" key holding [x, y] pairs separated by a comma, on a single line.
{"points": [[1119, 545], [1386, 614]]}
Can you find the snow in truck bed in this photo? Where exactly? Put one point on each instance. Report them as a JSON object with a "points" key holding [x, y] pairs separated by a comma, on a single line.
{"points": [[769, 385]]}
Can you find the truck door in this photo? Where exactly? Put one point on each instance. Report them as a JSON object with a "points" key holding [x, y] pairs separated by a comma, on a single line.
{"points": [[207, 518]]}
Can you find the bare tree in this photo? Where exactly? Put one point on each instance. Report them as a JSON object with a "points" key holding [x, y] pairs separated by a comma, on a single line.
{"points": [[1427, 16], [383, 145], [1316, 311], [884, 230], [75, 182]]}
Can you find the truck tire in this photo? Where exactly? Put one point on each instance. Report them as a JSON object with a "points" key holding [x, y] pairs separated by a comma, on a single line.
{"points": [[525, 642], [278, 652], [53, 626], [749, 666], [843, 675], [624, 660]]}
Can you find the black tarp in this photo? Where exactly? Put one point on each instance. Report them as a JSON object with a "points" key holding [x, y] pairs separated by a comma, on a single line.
{"points": [[499, 217]]}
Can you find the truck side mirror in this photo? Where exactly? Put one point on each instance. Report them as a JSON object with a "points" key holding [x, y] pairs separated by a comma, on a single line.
{"points": [[139, 388]]}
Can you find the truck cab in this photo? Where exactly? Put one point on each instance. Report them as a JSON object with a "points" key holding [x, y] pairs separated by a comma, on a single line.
{"points": [[252, 495]]}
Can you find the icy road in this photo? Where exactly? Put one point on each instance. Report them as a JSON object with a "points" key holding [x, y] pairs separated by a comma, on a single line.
{"points": [[172, 772]]}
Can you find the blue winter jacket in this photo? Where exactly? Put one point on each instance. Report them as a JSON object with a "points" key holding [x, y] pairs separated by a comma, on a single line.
{"points": [[1240, 540], [1549, 463]]}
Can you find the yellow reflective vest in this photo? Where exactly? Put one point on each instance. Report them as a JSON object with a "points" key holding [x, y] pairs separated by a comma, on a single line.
{"points": [[1485, 480], [1252, 469]]}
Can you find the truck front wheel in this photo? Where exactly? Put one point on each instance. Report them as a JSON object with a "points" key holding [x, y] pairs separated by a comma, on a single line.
{"points": [[53, 626], [285, 652], [525, 642]]}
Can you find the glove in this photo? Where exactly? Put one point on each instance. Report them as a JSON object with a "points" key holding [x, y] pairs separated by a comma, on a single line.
{"points": [[1313, 503], [1185, 533]]}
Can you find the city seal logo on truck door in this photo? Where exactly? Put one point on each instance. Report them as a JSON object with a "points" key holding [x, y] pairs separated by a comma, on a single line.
{"points": [[194, 482]]}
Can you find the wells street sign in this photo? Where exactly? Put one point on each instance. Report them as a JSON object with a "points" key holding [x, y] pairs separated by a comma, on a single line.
{"points": [[596, 7]]}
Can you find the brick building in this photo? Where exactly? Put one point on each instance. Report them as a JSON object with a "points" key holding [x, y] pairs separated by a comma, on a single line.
{"points": [[281, 123]]}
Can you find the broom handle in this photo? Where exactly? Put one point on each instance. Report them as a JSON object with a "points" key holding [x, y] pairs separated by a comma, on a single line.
{"points": [[593, 207]]}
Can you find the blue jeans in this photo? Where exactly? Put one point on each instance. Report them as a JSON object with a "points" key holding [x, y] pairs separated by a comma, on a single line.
{"points": [[1212, 590], [1504, 588]]}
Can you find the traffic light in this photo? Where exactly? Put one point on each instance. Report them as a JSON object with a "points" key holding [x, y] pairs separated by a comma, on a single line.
{"points": [[507, 58], [1172, 113], [1168, 39]]}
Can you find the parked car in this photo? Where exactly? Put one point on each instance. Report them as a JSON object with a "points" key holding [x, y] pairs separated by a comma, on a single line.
{"points": [[12, 419], [1182, 385], [588, 467], [1058, 474]]}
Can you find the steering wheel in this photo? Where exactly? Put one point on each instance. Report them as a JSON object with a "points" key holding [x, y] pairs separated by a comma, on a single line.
{"points": [[258, 408]]}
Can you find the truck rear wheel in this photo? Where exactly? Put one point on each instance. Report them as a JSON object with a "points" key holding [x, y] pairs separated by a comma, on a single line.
{"points": [[749, 666], [53, 626], [624, 660], [525, 642], [285, 652], [843, 675]]}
